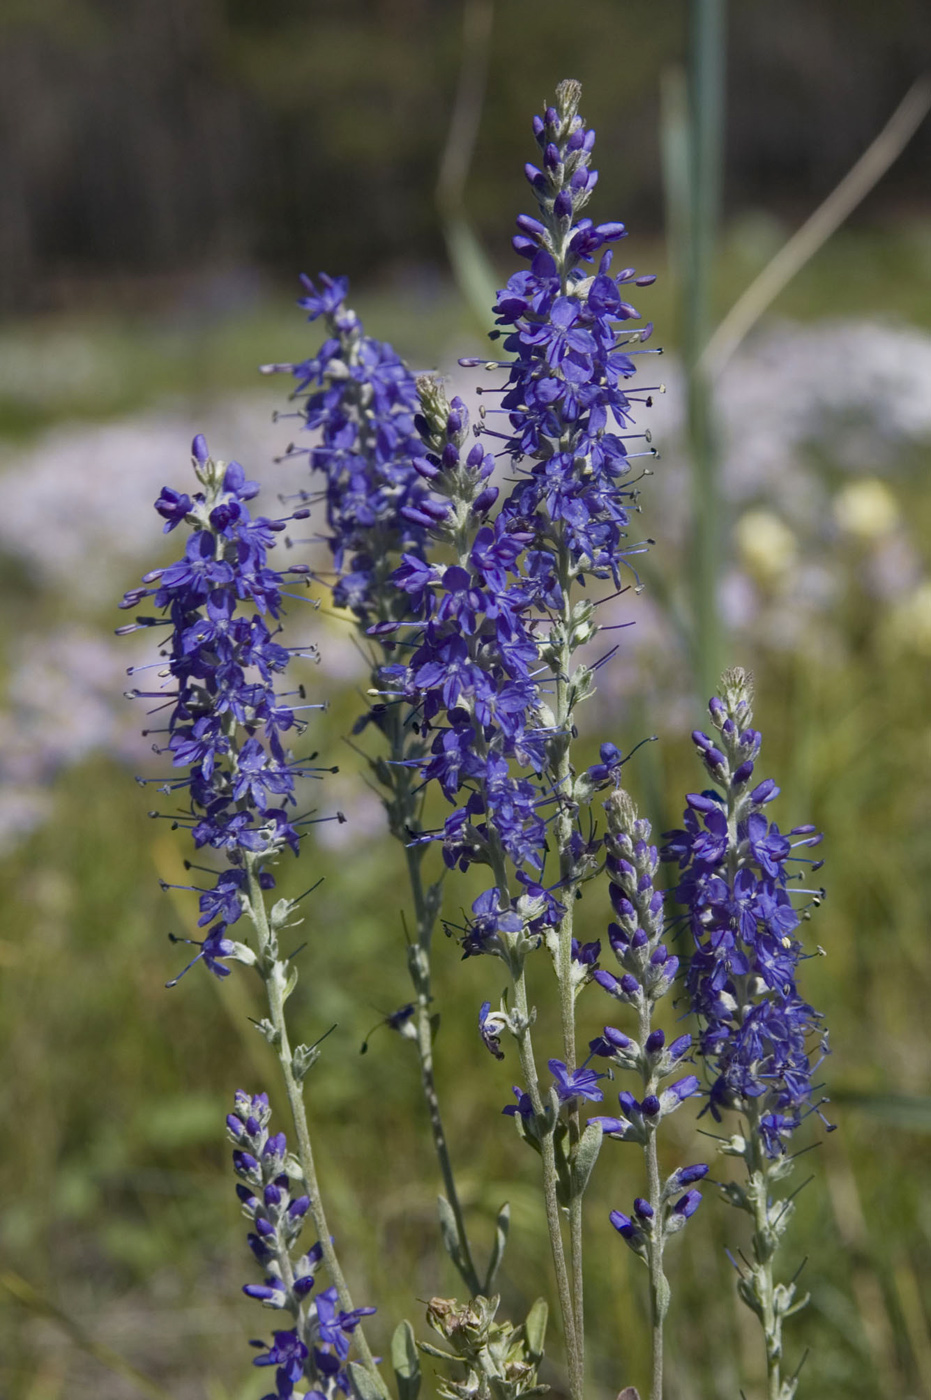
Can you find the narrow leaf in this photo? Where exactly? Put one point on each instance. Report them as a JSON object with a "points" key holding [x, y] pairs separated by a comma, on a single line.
{"points": [[291, 982], [429, 1350], [448, 1231], [502, 1226]]}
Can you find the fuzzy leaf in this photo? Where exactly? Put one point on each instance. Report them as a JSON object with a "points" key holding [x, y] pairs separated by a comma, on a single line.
{"points": [[535, 1328], [585, 1156], [364, 1384], [405, 1361]]}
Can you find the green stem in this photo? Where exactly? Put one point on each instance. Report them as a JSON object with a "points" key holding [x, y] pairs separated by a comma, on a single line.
{"points": [[403, 821], [421, 976], [269, 969], [764, 1248], [528, 1066]]}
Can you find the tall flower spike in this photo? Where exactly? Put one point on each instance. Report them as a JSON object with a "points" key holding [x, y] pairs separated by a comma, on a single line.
{"points": [[760, 1040], [638, 942], [361, 398]]}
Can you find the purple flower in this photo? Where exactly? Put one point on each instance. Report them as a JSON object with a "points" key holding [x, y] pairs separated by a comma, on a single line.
{"points": [[688, 1204], [477, 669], [490, 1027], [288, 1353], [213, 948], [580, 1084], [524, 1105]]}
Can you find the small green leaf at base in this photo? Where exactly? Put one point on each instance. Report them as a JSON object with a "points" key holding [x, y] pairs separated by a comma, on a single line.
{"points": [[535, 1329]]}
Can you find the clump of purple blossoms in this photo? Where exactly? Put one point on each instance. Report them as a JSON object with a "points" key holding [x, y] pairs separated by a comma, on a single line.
{"points": [[470, 671], [226, 721], [362, 399], [648, 971], [762, 1042], [316, 1347]]}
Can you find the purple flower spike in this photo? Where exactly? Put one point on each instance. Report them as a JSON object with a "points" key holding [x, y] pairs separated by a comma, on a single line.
{"points": [[758, 1044], [360, 401], [316, 1350], [227, 725]]}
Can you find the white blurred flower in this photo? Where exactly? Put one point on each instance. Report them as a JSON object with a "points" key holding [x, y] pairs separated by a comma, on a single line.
{"points": [[77, 505]]}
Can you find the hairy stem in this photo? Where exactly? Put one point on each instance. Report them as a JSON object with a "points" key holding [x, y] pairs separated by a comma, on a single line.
{"points": [[764, 1248], [659, 1288], [563, 827], [548, 1154], [404, 822], [421, 977], [547, 1150]]}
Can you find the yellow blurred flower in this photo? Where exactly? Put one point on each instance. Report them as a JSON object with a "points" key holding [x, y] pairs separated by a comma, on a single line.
{"points": [[910, 621], [866, 509], [766, 545]]}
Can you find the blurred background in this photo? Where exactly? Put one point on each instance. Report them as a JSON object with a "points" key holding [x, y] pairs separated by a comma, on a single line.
{"points": [[169, 167]]}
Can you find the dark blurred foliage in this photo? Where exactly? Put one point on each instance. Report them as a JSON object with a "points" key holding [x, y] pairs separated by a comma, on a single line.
{"points": [[162, 136]]}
